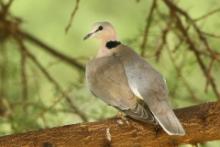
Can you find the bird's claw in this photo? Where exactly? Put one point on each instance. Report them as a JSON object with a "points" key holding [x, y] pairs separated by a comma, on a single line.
{"points": [[157, 129], [122, 117]]}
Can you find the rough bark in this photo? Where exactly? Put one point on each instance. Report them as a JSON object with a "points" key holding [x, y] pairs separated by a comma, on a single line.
{"points": [[202, 123]]}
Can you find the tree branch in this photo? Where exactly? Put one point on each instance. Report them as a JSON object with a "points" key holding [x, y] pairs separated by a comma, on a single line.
{"points": [[202, 123], [52, 51]]}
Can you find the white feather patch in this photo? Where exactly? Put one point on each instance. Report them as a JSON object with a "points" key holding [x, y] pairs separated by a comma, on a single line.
{"points": [[136, 92]]}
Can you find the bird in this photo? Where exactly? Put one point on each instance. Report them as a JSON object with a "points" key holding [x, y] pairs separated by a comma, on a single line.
{"points": [[126, 81]]}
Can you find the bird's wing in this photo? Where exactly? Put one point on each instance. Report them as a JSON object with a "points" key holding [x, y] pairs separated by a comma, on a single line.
{"points": [[148, 84], [107, 80]]}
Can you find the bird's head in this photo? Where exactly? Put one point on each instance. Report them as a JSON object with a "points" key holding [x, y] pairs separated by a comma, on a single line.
{"points": [[103, 31]]}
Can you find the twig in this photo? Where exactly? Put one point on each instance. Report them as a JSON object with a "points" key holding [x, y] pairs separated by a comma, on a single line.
{"points": [[173, 10], [162, 40], [3, 71], [23, 71], [176, 9], [208, 74], [72, 16], [147, 27], [55, 102], [178, 70], [5, 7], [207, 14], [58, 87], [199, 59], [52, 80], [211, 35], [52, 51]]}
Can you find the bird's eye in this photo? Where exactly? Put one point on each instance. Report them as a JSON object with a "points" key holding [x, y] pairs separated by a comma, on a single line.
{"points": [[100, 28]]}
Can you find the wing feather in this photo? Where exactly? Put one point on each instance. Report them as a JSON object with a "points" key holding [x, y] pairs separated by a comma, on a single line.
{"points": [[146, 82], [107, 80]]}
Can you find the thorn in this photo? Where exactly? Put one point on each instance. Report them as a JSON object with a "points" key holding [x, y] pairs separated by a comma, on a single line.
{"points": [[108, 135]]}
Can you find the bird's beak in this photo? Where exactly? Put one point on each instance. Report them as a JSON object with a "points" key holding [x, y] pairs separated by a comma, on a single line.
{"points": [[88, 36]]}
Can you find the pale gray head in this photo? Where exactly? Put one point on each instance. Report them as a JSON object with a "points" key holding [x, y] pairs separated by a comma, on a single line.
{"points": [[103, 31]]}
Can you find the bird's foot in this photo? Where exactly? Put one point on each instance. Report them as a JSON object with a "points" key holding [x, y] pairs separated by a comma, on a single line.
{"points": [[122, 117], [157, 129]]}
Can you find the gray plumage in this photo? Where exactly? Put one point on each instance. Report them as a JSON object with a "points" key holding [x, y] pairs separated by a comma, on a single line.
{"points": [[105, 80], [123, 79]]}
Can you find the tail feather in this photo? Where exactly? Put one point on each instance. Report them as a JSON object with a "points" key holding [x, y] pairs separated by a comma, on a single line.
{"points": [[170, 123]]}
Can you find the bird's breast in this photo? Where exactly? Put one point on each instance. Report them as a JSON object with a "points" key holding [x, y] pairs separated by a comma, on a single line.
{"points": [[106, 78]]}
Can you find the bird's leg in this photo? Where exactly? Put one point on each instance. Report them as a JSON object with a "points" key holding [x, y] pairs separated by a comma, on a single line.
{"points": [[122, 116], [156, 128]]}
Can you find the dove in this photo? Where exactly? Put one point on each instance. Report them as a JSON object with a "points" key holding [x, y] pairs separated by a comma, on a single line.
{"points": [[124, 80]]}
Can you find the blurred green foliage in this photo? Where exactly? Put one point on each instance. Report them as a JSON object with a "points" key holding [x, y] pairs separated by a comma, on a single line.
{"points": [[47, 20]]}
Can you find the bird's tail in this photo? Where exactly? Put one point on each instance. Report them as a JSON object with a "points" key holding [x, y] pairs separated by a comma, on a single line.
{"points": [[169, 122]]}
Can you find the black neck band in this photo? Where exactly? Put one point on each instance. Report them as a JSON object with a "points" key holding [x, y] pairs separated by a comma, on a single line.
{"points": [[112, 44]]}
